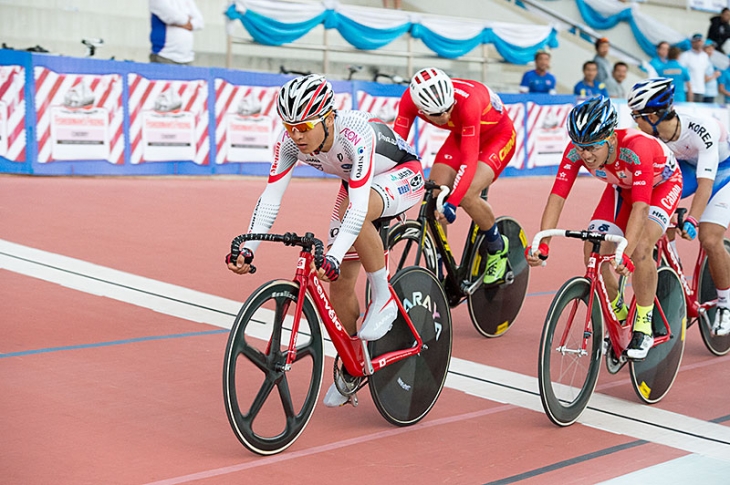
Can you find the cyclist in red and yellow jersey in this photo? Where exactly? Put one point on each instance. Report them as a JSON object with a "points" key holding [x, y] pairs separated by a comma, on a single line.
{"points": [[481, 144]]}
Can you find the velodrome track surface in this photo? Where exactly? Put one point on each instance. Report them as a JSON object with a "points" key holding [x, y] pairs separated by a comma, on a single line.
{"points": [[114, 301]]}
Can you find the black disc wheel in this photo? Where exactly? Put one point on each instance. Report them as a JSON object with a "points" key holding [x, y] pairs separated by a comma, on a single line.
{"points": [[405, 391], [653, 377], [707, 292], [493, 309]]}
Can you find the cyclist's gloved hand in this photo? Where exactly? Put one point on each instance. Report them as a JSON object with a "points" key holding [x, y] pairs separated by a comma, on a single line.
{"points": [[543, 251], [450, 212], [690, 227], [626, 261], [331, 268]]}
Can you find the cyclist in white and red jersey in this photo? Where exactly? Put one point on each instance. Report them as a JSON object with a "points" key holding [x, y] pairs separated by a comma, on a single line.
{"points": [[381, 177], [481, 144], [644, 187], [702, 147]]}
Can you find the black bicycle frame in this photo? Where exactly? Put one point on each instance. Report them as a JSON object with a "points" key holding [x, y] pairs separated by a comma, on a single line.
{"points": [[455, 275]]}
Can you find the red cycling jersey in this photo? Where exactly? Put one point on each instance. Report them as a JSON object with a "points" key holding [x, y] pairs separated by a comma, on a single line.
{"points": [[642, 163], [478, 116]]}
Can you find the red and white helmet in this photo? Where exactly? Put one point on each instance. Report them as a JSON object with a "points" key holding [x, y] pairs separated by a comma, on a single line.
{"points": [[432, 90], [304, 98]]}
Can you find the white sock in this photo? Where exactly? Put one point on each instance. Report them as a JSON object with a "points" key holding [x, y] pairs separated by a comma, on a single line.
{"points": [[379, 286], [723, 297]]}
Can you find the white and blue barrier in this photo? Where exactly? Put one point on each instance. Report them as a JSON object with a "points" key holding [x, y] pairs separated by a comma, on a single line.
{"points": [[75, 116]]}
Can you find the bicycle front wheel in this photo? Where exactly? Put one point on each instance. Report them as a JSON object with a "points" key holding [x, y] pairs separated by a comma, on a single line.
{"points": [[267, 405], [403, 241], [568, 370], [405, 391], [653, 377], [707, 292]]}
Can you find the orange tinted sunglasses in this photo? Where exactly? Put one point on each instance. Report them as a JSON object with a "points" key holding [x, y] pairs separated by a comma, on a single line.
{"points": [[304, 126]]}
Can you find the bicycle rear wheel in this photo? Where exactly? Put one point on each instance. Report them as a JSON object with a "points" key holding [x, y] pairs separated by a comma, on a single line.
{"points": [[493, 308], [404, 392], [567, 376], [268, 407], [653, 377], [707, 292]]}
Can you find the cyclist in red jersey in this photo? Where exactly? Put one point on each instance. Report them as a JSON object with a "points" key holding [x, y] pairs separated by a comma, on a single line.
{"points": [[481, 144], [644, 188]]}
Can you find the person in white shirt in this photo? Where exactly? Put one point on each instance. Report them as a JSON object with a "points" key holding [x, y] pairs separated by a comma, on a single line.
{"points": [[697, 62], [171, 35]]}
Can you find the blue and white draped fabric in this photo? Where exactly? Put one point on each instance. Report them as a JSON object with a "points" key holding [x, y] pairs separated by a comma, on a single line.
{"points": [[605, 14], [272, 22]]}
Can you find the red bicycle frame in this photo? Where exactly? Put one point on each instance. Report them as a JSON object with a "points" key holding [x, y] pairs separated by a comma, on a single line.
{"points": [[352, 350], [695, 309]]}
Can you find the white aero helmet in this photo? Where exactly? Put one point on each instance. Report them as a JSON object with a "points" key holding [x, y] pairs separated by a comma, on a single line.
{"points": [[652, 95], [432, 91], [304, 98]]}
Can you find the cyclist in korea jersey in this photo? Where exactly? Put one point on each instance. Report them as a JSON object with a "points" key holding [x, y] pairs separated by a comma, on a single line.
{"points": [[479, 147], [381, 176], [644, 187], [701, 146]]}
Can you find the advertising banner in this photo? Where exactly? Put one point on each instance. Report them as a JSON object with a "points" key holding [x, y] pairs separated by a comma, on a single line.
{"points": [[246, 121], [168, 120], [79, 116], [12, 113], [546, 133]]}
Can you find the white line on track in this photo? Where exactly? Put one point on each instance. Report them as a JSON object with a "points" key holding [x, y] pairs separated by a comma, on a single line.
{"points": [[605, 412]]}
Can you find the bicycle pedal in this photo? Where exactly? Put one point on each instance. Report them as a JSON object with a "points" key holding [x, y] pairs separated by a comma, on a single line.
{"points": [[352, 399]]}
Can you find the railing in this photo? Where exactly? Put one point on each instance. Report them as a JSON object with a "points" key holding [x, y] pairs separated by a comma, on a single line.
{"points": [[581, 30], [327, 48]]}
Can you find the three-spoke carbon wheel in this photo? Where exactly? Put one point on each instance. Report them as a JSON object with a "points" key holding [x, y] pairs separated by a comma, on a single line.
{"points": [[405, 391], [268, 407], [567, 373]]}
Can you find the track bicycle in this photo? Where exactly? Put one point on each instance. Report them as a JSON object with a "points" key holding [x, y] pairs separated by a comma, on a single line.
{"points": [[572, 339], [274, 359], [423, 242], [700, 295]]}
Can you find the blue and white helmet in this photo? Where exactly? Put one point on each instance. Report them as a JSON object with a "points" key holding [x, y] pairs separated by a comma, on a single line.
{"points": [[592, 120], [652, 95]]}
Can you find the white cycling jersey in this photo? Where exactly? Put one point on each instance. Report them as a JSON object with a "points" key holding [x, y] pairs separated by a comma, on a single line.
{"points": [[702, 143], [363, 148], [703, 151]]}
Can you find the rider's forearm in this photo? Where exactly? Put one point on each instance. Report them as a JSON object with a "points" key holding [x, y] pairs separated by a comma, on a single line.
{"points": [[551, 214], [637, 220], [701, 198]]}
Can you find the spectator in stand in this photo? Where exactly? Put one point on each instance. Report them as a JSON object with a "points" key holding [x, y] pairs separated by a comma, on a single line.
{"points": [[173, 22], [614, 84], [601, 60], [396, 4], [719, 30], [589, 86], [711, 75], [723, 85], [678, 74], [696, 61], [662, 53], [539, 80]]}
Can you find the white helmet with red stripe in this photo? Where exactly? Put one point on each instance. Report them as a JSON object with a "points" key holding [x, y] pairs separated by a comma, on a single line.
{"points": [[304, 98], [432, 90]]}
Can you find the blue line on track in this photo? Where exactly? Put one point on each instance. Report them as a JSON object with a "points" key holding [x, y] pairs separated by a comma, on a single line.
{"points": [[114, 342]]}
